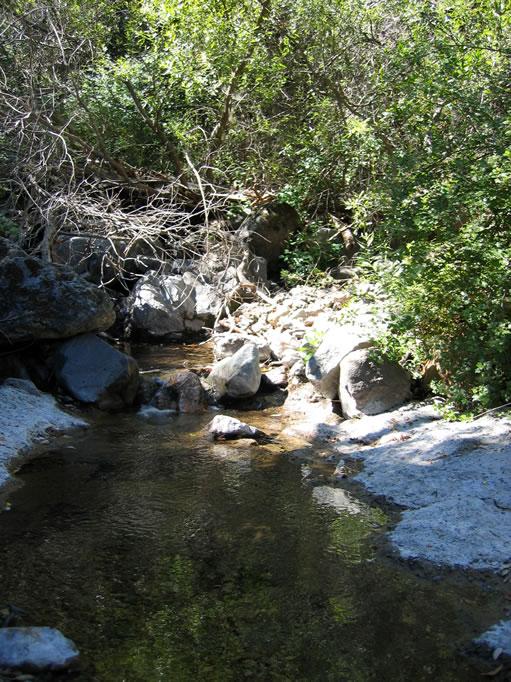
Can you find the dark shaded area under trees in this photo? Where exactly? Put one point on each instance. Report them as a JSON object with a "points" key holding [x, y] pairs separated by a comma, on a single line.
{"points": [[163, 120]]}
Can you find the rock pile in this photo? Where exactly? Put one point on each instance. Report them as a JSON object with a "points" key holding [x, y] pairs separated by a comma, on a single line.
{"points": [[319, 336]]}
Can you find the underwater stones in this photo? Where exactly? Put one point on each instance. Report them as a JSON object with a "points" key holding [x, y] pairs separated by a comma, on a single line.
{"points": [[37, 649]]}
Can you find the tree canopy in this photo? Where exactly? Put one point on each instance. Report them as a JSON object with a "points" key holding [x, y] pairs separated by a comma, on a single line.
{"points": [[391, 118]]}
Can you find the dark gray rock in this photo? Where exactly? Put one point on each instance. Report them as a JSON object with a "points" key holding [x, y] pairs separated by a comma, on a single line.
{"points": [[93, 372], [238, 376], [368, 386], [40, 300], [37, 650], [191, 396], [267, 229]]}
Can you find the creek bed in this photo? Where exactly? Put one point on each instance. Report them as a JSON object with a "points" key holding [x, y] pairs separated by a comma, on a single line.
{"points": [[166, 557]]}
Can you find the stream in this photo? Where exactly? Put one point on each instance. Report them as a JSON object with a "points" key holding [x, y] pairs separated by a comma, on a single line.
{"points": [[166, 557]]}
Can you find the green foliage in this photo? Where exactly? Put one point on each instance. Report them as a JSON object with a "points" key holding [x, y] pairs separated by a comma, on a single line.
{"points": [[312, 343], [392, 116], [308, 255], [8, 228]]}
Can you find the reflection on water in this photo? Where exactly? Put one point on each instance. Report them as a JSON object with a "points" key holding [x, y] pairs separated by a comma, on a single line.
{"points": [[165, 557]]}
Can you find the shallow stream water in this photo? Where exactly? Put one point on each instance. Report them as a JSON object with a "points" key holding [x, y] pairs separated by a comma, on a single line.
{"points": [[165, 557]]}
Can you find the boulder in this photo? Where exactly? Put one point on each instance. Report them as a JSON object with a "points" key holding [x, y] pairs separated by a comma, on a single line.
{"points": [[266, 230], [40, 300], [191, 396], [160, 305], [368, 386], [209, 302], [227, 428], [37, 649], [228, 344], [276, 377], [238, 376], [165, 398], [27, 415], [93, 372], [322, 368]]}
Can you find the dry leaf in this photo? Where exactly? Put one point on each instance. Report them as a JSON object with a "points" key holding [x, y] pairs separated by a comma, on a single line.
{"points": [[493, 673], [497, 653]]}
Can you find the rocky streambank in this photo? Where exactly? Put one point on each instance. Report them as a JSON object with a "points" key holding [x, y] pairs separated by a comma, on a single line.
{"points": [[306, 351]]}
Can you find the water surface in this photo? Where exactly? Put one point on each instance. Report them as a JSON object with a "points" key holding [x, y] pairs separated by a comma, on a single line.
{"points": [[166, 557]]}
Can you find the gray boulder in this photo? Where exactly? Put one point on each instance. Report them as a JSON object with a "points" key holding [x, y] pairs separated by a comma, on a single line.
{"points": [[267, 229], [322, 368], [368, 387], [160, 305], [238, 376], [208, 298], [40, 300], [228, 343], [37, 649], [93, 372], [227, 428]]}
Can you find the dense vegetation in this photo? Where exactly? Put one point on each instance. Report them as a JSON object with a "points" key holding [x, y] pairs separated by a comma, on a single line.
{"points": [[391, 119]]}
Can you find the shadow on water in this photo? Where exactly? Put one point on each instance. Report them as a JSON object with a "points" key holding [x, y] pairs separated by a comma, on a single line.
{"points": [[166, 557]]}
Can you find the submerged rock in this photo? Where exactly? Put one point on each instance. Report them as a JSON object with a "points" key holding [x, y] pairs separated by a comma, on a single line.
{"points": [[498, 637], [152, 415], [37, 649]]}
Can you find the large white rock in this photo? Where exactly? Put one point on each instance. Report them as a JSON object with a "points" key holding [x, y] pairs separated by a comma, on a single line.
{"points": [[160, 305], [367, 386], [322, 368], [26, 415], [238, 376], [36, 649]]}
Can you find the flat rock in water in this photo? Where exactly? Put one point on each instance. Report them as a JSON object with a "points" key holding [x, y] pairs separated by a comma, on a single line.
{"points": [[498, 637], [36, 649], [227, 427], [27, 414], [454, 480]]}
